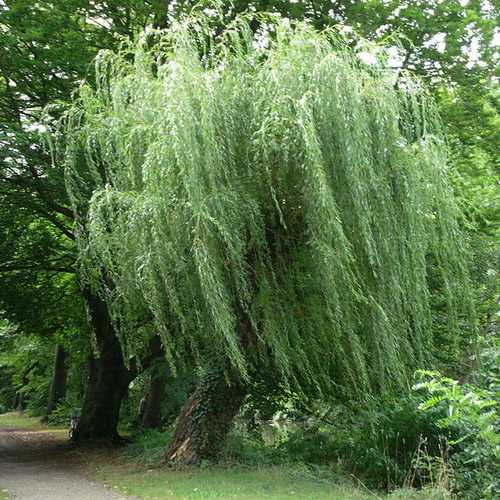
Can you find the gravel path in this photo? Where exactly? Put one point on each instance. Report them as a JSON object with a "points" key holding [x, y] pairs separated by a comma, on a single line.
{"points": [[37, 466]]}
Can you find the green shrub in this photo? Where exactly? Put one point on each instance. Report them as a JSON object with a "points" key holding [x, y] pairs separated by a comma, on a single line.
{"points": [[63, 413], [471, 425], [148, 447], [313, 445], [390, 438], [379, 443], [244, 447]]}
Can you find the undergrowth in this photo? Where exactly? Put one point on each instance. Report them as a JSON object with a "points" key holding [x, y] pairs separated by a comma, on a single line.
{"points": [[148, 446], [440, 438]]}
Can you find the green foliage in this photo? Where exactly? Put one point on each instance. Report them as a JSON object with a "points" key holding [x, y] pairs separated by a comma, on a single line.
{"points": [[148, 447], [379, 443], [442, 433], [7, 389], [176, 392], [247, 449], [49, 46], [61, 416], [28, 360], [313, 445], [292, 189], [470, 419]]}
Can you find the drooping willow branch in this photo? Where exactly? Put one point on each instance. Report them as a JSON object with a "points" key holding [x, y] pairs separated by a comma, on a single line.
{"points": [[276, 182]]}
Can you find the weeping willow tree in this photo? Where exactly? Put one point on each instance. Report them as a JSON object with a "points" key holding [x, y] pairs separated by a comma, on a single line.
{"points": [[272, 202]]}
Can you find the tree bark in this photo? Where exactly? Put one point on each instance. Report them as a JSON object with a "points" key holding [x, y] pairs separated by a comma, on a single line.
{"points": [[107, 386], [151, 418], [108, 379], [206, 419], [57, 390]]}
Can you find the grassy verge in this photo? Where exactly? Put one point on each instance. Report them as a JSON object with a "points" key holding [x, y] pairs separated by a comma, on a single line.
{"points": [[271, 483], [21, 421], [132, 475], [224, 483], [18, 420]]}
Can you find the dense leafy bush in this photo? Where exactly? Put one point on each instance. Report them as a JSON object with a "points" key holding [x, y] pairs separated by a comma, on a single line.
{"points": [[378, 443], [63, 413], [441, 434], [471, 424], [386, 444], [149, 446]]}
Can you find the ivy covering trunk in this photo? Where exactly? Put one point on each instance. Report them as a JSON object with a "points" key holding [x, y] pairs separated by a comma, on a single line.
{"points": [[206, 419]]}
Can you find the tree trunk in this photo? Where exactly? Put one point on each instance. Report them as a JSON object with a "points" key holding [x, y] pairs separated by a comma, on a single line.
{"points": [[151, 418], [107, 386], [108, 379], [20, 403], [206, 419], [59, 376]]}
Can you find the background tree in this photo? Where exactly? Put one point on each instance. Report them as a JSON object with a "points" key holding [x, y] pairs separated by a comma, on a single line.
{"points": [[47, 48]]}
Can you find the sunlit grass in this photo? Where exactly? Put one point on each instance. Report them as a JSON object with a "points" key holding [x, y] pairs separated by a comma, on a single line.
{"points": [[240, 483], [225, 483], [25, 422]]}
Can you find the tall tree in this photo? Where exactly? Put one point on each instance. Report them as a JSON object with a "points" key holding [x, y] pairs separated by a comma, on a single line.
{"points": [[46, 49], [286, 221], [152, 417], [57, 391]]}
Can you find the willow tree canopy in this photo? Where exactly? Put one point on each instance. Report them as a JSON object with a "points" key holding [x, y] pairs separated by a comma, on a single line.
{"points": [[268, 198]]}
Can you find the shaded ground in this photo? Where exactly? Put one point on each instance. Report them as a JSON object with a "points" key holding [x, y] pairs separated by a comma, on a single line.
{"points": [[38, 465]]}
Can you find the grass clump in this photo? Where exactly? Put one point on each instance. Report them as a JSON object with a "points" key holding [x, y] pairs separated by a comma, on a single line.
{"points": [[148, 447]]}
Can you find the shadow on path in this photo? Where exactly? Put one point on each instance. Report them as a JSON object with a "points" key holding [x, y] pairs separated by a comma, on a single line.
{"points": [[39, 465]]}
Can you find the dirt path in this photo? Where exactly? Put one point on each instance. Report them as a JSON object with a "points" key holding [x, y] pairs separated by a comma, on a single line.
{"points": [[37, 466]]}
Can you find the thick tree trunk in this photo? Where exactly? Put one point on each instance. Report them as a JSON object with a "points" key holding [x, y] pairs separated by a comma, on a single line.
{"points": [[151, 419], [59, 377], [107, 386], [206, 419], [108, 379]]}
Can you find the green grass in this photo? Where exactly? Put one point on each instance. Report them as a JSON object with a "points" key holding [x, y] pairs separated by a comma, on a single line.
{"points": [[22, 421], [271, 483], [274, 483], [3, 494]]}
